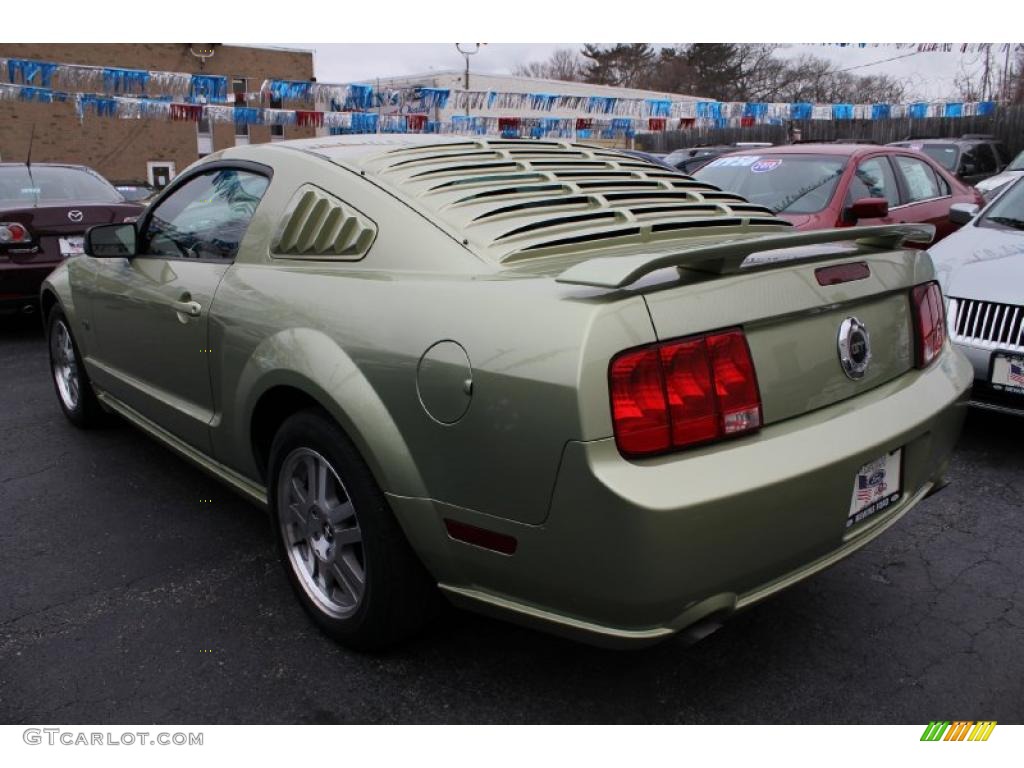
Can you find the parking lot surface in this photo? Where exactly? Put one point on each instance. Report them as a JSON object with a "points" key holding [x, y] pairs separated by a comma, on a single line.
{"points": [[135, 589]]}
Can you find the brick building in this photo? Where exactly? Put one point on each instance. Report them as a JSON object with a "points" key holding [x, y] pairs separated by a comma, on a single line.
{"points": [[148, 151]]}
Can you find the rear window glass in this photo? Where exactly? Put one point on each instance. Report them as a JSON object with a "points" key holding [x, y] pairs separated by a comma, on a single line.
{"points": [[44, 185], [1017, 164], [784, 183], [944, 154]]}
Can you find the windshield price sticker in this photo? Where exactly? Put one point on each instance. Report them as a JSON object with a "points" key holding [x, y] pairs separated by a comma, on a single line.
{"points": [[768, 164], [741, 161]]}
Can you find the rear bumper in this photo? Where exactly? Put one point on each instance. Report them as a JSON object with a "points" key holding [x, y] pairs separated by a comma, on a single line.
{"points": [[632, 552], [984, 395], [20, 282]]}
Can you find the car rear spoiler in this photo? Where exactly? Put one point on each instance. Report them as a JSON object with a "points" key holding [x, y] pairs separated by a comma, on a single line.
{"points": [[727, 256]]}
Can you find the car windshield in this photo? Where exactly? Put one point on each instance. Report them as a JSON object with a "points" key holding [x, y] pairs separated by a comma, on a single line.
{"points": [[784, 183], [1007, 210], [49, 185], [944, 154], [1017, 164]]}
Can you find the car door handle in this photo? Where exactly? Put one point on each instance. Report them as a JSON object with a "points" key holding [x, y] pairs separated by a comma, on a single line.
{"points": [[190, 308]]}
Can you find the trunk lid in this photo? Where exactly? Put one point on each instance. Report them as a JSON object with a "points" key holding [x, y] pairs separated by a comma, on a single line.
{"points": [[47, 224], [792, 324]]}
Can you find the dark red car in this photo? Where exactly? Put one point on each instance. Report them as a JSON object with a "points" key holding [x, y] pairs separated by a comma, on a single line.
{"points": [[820, 186], [44, 212]]}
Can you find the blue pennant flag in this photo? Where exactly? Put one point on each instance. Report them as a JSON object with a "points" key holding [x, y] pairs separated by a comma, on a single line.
{"points": [[27, 71], [248, 116], [709, 110], [986, 108], [800, 110], [659, 107], [954, 109], [881, 111], [918, 110], [209, 88], [289, 90], [117, 80], [359, 97], [755, 110], [842, 111]]}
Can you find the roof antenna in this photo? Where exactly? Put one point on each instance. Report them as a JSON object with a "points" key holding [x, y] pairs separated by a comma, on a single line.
{"points": [[31, 140], [28, 160]]}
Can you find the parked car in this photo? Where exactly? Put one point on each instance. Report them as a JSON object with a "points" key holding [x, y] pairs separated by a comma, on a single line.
{"points": [[992, 184], [971, 158], [532, 376], [690, 159], [136, 192], [981, 268], [819, 186], [44, 212], [650, 157]]}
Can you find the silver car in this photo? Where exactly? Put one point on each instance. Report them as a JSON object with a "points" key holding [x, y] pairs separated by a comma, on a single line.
{"points": [[981, 270]]}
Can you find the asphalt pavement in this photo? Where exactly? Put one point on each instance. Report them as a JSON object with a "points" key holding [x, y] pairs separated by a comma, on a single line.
{"points": [[127, 597]]}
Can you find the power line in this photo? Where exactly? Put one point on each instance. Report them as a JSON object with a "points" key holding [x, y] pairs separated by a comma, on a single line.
{"points": [[882, 60]]}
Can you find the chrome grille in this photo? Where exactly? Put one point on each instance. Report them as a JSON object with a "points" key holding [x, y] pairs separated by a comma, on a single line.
{"points": [[987, 324]]}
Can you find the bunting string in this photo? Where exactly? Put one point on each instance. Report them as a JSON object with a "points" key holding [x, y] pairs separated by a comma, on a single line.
{"points": [[411, 110]]}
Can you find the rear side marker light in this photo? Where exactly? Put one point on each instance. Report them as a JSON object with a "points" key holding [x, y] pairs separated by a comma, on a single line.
{"points": [[685, 392], [929, 322], [842, 273], [13, 232], [481, 537]]}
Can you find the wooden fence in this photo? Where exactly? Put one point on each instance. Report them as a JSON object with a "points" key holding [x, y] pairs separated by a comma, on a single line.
{"points": [[1007, 125]]}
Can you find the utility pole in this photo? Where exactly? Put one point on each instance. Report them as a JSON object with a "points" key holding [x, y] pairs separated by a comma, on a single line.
{"points": [[466, 54]]}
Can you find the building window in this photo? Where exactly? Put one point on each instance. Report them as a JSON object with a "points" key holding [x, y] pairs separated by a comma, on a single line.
{"points": [[238, 88], [204, 138], [276, 131]]}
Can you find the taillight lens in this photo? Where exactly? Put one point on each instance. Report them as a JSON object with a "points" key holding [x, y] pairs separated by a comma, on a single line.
{"points": [[680, 393], [13, 232], [929, 322]]}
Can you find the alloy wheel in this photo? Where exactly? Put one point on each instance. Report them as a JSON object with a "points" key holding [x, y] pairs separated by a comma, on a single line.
{"points": [[65, 365], [321, 533]]}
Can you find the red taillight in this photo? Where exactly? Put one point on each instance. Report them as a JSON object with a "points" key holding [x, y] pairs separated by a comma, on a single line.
{"points": [[13, 232], [681, 393], [929, 322]]}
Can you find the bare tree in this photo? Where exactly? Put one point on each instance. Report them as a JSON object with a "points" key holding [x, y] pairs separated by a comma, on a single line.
{"points": [[563, 64]]}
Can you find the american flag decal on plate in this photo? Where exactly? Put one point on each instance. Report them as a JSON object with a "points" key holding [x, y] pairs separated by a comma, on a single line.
{"points": [[1017, 374], [876, 487]]}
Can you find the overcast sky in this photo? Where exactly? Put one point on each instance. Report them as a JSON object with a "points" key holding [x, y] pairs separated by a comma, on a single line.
{"points": [[929, 75]]}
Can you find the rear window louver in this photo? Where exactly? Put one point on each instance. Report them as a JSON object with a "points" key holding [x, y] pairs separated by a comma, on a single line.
{"points": [[317, 225], [510, 199]]}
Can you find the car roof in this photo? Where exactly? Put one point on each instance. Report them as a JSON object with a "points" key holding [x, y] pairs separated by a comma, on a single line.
{"points": [[509, 199], [48, 165], [810, 149]]}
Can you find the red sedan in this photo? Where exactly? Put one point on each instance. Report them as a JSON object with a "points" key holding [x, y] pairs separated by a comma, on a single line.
{"points": [[820, 186]]}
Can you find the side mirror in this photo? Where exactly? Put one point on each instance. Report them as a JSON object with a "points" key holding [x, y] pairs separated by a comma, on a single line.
{"points": [[868, 208], [962, 213], [111, 241]]}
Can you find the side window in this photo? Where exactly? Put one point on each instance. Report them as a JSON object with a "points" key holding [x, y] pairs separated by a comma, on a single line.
{"points": [[985, 158], [919, 177], [205, 218], [874, 178]]}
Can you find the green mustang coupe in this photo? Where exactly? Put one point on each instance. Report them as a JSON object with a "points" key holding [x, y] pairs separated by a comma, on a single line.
{"points": [[548, 381]]}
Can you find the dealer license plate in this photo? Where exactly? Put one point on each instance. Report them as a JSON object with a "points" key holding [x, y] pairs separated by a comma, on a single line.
{"points": [[72, 246], [876, 487], [1008, 373]]}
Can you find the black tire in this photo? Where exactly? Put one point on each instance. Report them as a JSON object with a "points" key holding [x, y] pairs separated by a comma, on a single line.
{"points": [[83, 410], [398, 596]]}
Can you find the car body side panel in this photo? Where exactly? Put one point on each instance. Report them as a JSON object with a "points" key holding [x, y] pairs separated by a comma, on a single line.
{"points": [[635, 544], [357, 331]]}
